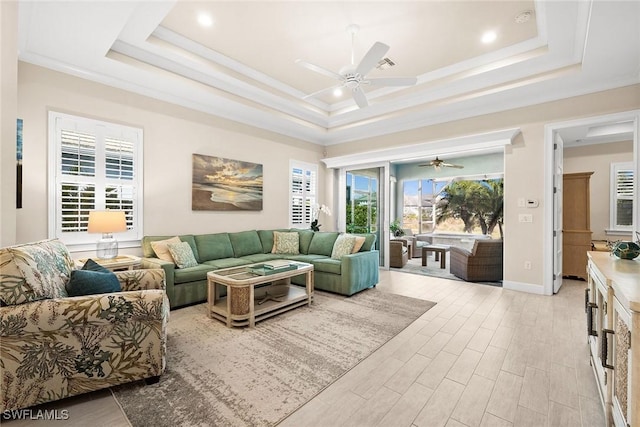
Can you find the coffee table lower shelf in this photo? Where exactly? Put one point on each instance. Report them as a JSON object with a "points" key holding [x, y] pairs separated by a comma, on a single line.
{"points": [[295, 297]]}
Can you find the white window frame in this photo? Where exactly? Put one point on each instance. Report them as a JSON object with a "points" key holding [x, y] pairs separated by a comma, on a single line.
{"points": [[614, 228], [309, 196], [81, 240]]}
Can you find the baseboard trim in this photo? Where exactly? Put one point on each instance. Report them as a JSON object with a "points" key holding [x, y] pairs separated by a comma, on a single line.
{"points": [[523, 287]]}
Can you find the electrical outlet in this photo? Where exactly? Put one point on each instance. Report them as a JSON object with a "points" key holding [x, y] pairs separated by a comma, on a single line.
{"points": [[527, 265]]}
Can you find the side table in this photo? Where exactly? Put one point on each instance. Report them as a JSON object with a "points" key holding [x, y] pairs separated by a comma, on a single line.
{"points": [[439, 250], [121, 262]]}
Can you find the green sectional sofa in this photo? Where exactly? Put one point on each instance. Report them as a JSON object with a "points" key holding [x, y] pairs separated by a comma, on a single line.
{"points": [[347, 275]]}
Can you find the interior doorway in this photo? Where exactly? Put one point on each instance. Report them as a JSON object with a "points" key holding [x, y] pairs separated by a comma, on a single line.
{"points": [[601, 129]]}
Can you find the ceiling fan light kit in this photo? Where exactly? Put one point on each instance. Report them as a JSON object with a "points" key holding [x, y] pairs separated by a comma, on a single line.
{"points": [[353, 77]]}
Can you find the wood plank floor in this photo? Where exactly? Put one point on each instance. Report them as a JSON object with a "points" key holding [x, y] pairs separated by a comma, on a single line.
{"points": [[483, 356]]}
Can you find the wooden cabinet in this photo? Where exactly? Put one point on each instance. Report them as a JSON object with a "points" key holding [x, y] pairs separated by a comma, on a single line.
{"points": [[613, 324], [576, 224]]}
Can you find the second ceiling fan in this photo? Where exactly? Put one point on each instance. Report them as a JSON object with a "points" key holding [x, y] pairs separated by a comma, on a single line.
{"points": [[437, 164], [354, 77]]}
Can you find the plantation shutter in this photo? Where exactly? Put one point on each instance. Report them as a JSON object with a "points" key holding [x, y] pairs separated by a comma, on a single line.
{"points": [[304, 184], [624, 197], [98, 167]]}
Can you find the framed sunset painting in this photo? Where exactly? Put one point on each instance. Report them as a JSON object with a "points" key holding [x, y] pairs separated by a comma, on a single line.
{"points": [[220, 184]]}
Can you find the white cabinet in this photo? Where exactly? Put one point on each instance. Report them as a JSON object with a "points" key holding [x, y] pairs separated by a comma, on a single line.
{"points": [[612, 304]]}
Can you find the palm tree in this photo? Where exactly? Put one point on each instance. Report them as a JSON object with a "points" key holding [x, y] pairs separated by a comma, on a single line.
{"points": [[474, 203]]}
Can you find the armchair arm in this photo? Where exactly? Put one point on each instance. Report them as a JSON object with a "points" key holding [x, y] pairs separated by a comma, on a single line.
{"points": [[137, 280], [169, 270]]}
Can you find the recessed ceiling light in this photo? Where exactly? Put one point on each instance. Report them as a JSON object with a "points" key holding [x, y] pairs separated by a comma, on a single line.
{"points": [[205, 20], [337, 92], [489, 37]]}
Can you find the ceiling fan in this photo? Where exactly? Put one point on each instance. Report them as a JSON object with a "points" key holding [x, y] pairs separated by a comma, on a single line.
{"points": [[437, 164], [354, 77]]}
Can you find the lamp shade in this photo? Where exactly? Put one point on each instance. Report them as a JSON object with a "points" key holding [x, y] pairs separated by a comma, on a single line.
{"points": [[107, 222]]}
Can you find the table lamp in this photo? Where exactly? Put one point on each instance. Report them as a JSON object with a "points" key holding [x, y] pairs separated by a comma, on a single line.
{"points": [[107, 223]]}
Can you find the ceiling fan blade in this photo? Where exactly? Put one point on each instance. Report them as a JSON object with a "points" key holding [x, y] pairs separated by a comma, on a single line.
{"points": [[370, 60], [360, 98], [318, 69], [452, 166], [392, 81], [322, 91]]}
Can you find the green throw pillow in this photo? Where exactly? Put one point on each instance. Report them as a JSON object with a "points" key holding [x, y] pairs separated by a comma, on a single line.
{"points": [[92, 279], [286, 243], [182, 255], [343, 246]]}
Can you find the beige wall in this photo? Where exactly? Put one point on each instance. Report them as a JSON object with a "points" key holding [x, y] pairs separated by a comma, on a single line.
{"points": [[597, 159], [8, 115], [171, 135], [524, 166]]}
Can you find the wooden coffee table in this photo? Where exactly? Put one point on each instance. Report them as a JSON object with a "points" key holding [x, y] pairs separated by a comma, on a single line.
{"points": [[240, 308], [439, 250]]}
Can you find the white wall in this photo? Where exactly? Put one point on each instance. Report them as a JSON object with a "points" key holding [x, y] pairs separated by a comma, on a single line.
{"points": [[597, 159], [8, 116], [171, 135]]}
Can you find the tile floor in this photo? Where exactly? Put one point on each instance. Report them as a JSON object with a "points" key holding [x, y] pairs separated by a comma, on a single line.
{"points": [[483, 356]]}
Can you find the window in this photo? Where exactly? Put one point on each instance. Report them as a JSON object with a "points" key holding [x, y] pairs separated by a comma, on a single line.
{"points": [[94, 165], [303, 191], [419, 198], [621, 210]]}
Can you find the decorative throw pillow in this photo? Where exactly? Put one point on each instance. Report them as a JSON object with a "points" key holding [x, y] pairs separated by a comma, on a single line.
{"points": [[161, 249], [358, 244], [343, 246], [182, 255], [286, 242], [92, 279]]}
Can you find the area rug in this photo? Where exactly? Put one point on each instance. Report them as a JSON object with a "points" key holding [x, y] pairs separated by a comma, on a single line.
{"points": [[217, 376], [432, 269]]}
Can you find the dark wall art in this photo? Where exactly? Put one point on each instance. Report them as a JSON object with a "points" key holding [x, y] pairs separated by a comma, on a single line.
{"points": [[220, 184], [19, 164]]}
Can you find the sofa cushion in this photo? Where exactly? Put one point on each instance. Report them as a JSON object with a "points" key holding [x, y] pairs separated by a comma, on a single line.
{"points": [[227, 262], [343, 246], [305, 239], [245, 243], [161, 248], [306, 258], [192, 274], [261, 257], [322, 243], [327, 265], [213, 246], [34, 271], [182, 255], [286, 243]]}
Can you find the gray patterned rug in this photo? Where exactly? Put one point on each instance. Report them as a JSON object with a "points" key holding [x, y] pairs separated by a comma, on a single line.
{"points": [[217, 376]]}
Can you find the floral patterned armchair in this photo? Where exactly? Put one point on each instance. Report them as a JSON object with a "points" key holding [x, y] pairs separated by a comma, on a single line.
{"points": [[53, 346]]}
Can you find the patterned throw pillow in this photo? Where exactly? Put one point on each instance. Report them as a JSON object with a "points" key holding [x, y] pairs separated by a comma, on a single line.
{"points": [[286, 242], [343, 246], [161, 249], [182, 255], [34, 271]]}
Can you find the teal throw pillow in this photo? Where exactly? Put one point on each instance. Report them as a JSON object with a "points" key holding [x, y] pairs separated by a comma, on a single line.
{"points": [[92, 279], [343, 246], [182, 255]]}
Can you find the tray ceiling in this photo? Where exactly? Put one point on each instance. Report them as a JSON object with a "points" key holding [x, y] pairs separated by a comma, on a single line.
{"points": [[243, 68]]}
